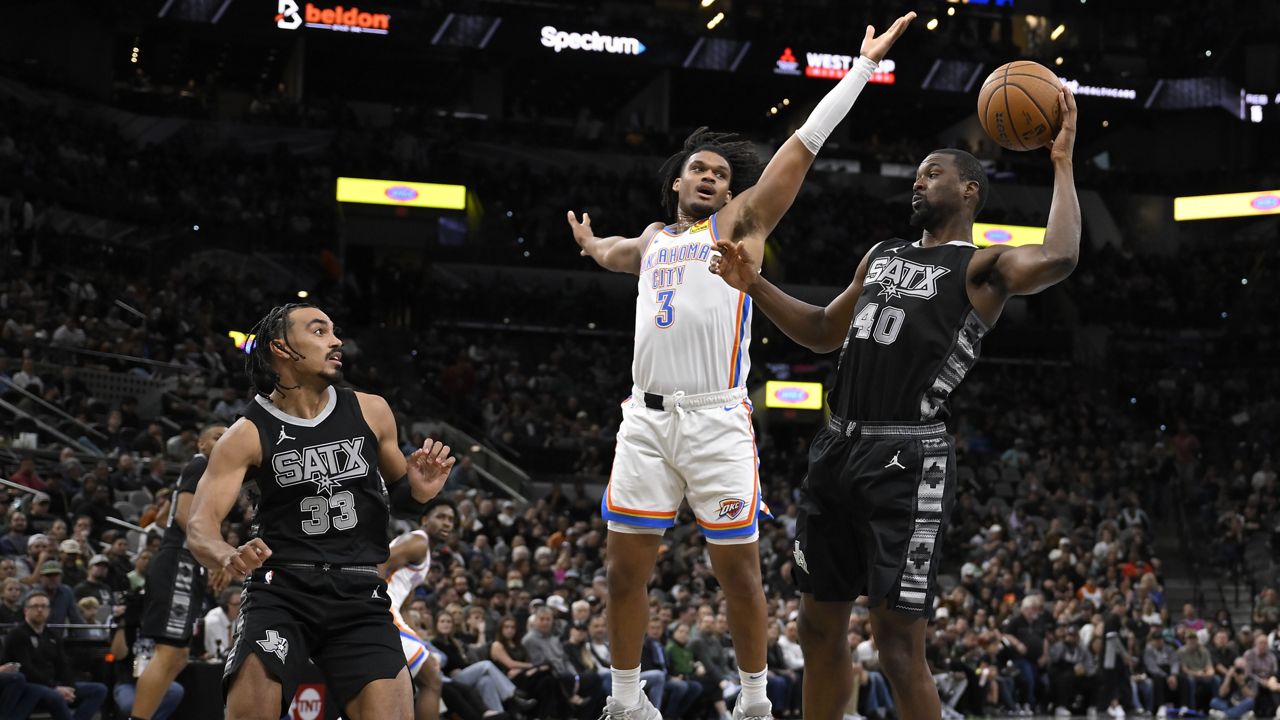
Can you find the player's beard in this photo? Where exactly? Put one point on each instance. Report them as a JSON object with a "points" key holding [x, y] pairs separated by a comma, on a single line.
{"points": [[332, 376], [922, 216]]}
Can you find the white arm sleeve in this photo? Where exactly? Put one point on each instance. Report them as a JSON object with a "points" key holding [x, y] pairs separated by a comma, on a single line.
{"points": [[832, 108]]}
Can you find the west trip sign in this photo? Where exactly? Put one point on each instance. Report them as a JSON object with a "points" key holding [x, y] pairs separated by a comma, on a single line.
{"points": [[830, 66]]}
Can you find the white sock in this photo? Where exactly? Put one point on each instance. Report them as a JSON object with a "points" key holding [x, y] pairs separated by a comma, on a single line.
{"points": [[626, 686], [753, 687]]}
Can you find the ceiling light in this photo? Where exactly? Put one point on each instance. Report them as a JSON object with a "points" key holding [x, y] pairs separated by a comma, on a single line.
{"points": [[1057, 60], [933, 24], [1057, 32], [951, 12], [715, 21]]}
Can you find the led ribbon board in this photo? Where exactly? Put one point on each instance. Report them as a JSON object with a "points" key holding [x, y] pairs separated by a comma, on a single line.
{"points": [[793, 395], [1207, 207], [397, 192], [985, 235]]}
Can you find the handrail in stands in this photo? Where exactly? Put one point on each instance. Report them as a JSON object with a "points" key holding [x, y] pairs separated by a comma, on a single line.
{"points": [[57, 410], [158, 364], [19, 412]]}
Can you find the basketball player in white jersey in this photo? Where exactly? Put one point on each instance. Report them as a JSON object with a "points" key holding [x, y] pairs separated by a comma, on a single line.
{"points": [[686, 430], [405, 570]]}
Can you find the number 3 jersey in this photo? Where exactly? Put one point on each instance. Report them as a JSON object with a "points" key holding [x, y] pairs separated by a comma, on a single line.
{"points": [[914, 334], [322, 499], [693, 331]]}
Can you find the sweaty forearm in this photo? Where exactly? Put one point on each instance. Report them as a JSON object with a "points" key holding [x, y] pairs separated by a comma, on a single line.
{"points": [[806, 324]]}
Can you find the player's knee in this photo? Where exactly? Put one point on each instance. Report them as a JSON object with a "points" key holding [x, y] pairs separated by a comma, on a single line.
{"points": [[900, 660], [819, 636]]}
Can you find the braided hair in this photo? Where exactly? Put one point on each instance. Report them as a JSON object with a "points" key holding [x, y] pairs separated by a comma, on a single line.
{"points": [[272, 327], [744, 163]]}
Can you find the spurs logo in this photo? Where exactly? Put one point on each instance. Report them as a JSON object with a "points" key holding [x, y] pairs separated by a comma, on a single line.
{"points": [[275, 644]]}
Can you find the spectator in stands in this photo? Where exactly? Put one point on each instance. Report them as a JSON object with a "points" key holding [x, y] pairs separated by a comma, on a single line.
{"points": [[493, 685], [229, 407], [544, 647], [37, 553], [1198, 674], [1236, 694], [124, 686], [1069, 664], [710, 653], [1224, 652], [536, 681], [120, 564], [40, 520], [27, 379], [220, 621], [138, 575], [46, 666], [1266, 612], [26, 474], [1028, 634], [74, 570], [62, 603], [1262, 665], [95, 584], [1160, 662], [8, 569], [150, 441], [11, 591], [14, 541]]}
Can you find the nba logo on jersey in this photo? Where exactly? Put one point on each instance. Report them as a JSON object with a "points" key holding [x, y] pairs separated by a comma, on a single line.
{"points": [[731, 508]]}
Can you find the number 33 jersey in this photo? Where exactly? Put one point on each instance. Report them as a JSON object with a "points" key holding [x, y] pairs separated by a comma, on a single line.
{"points": [[693, 331], [914, 334], [322, 498]]}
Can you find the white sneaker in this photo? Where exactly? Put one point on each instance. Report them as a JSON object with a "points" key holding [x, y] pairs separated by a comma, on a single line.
{"points": [[1163, 712], [613, 710], [759, 711], [1091, 713], [1061, 712], [1116, 711]]}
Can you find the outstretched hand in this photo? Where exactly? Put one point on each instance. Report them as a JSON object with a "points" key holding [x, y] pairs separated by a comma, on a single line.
{"points": [[1065, 141], [582, 232], [429, 467], [735, 265], [875, 48]]}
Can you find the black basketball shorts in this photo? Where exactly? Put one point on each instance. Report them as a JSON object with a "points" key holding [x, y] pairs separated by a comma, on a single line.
{"points": [[339, 619], [177, 589], [874, 508]]}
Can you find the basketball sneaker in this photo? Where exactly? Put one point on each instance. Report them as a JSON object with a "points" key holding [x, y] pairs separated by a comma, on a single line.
{"points": [[613, 710], [759, 711]]}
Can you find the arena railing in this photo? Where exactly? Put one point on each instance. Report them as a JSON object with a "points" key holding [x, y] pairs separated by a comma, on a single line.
{"points": [[54, 409], [42, 425]]}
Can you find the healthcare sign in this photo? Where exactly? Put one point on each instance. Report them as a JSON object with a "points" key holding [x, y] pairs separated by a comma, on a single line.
{"points": [[793, 395]]}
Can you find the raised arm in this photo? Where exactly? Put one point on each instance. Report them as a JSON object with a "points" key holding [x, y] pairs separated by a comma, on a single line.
{"points": [[235, 453], [821, 329], [616, 253], [1028, 269], [752, 215]]}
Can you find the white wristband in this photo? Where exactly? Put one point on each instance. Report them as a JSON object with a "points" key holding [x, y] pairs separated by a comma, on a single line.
{"points": [[832, 108]]}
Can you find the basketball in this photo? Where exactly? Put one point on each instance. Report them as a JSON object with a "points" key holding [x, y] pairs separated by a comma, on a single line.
{"points": [[1018, 105]]}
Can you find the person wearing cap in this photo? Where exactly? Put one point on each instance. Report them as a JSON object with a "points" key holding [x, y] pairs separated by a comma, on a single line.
{"points": [[38, 552], [1162, 665], [39, 517], [62, 602], [96, 582], [73, 566], [46, 666]]}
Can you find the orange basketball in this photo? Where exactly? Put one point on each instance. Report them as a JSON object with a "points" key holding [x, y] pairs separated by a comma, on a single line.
{"points": [[1018, 105]]}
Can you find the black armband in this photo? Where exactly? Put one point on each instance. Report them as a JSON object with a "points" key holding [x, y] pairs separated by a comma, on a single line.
{"points": [[402, 501]]}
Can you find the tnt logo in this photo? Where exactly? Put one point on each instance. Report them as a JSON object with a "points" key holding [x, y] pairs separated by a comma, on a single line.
{"points": [[308, 703], [731, 508]]}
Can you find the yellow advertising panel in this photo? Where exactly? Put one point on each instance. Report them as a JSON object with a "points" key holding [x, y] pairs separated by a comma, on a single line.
{"points": [[399, 192], [985, 235], [793, 395], [1206, 207]]}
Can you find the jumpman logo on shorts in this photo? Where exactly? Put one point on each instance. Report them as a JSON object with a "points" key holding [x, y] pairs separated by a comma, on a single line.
{"points": [[894, 462], [284, 436]]}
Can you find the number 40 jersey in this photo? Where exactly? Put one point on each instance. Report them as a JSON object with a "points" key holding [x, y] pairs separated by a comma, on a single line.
{"points": [[914, 334], [322, 497]]}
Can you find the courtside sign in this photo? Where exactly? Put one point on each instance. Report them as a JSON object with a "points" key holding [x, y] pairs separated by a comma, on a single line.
{"points": [[985, 235], [1207, 207]]}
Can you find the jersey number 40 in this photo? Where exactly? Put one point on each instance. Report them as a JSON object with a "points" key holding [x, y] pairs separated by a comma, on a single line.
{"points": [[886, 330]]}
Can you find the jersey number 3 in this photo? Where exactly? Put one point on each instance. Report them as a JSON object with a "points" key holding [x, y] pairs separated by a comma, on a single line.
{"points": [[666, 314], [886, 330], [319, 523]]}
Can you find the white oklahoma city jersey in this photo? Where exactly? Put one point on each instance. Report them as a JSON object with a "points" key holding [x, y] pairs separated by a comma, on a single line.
{"points": [[693, 330], [404, 581]]}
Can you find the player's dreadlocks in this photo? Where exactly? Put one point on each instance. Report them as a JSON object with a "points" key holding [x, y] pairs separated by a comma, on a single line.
{"points": [[744, 164], [270, 328]]}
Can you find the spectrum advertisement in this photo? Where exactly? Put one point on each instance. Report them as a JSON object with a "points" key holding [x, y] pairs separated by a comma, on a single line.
{"points": [[400, 192], [790, 395], [1245, 204], [985, 235]]}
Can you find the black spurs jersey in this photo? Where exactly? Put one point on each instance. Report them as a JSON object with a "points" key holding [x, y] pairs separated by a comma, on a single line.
{"points": [[174, 536], [914, 334], [322, 499]]}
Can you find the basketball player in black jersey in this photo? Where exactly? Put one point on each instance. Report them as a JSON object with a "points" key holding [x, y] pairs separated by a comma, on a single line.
{"points": [[312, 590], [881, 479], [177, 588]]}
